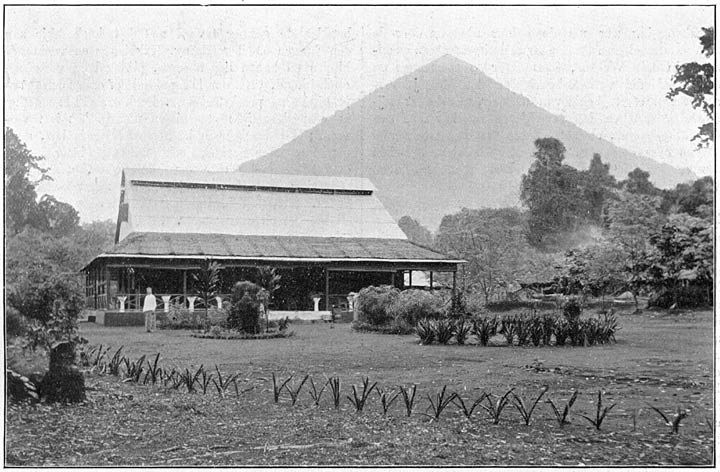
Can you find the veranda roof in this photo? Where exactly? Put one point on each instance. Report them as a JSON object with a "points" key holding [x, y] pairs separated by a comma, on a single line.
{"points": [[291, 248]]}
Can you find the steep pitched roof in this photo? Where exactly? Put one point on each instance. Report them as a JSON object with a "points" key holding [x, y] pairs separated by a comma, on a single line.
{"points": [[234, 203]]}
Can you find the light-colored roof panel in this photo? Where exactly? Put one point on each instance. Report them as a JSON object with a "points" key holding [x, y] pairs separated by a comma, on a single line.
{"points": [[244, 178], [262, 213]]}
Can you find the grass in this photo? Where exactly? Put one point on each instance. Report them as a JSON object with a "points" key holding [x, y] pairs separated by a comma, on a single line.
{"points": [[661, 359]]}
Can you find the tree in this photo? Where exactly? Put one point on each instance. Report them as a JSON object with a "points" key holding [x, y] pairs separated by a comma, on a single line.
{"points": [[597, 187], [697, 82], [638, 182], [22, 174], [57, 218], [684, 253], [207, 279], [551, 191], [632, 218], [695, 199], [494, 242], [415, 232], [269, 280]]}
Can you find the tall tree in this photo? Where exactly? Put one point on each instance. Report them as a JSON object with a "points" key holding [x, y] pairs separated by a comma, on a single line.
{"points": [[632, 219], [57, 218], [551, 191], [638, 182], [696, 81], [597, 187], [22, 174]]}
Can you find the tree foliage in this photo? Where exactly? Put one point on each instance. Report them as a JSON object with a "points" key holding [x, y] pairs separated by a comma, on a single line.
{"points": [[494, 242], [23, 171], [552, 193], [696, 80], [597, 183], [684, 254]]}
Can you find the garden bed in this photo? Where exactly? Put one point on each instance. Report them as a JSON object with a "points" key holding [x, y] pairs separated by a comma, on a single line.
{"points": [[239, 335]]}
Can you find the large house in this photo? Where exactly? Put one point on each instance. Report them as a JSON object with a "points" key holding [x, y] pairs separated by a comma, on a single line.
{"points": [[326, 237]]}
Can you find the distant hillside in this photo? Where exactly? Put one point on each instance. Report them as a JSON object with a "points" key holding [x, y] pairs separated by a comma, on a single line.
{"points": [[445, 137]]}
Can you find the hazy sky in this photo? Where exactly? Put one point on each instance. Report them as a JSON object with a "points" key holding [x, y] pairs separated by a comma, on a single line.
{"points": [[96, 89]]}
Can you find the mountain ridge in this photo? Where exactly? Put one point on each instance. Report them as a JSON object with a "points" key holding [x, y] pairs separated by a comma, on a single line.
{"points": [[443, 137]]}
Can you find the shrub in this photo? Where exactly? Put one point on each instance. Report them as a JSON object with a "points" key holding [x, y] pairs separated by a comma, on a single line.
{"points": [[444, 330], [462, 330], [245, 307], [411, 306], [572, 310], [373, 303]]}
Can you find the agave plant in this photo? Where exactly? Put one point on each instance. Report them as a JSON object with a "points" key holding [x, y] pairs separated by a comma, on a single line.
{"points": [[462, 330], [484, 329], [425, 329], [600, 412], [387, 398], [674, 421], [526, 409], [444, 330], [561, 417], [468, 408], [408, 395], [496, 409], [507, 329], [359, 398], [439, 403]]}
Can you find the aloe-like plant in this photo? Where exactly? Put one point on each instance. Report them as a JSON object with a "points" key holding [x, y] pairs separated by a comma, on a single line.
{"points": [[387, 398], [315, 393], [674, 421], [295, 391], [188, 379], [439, 403], [425, 329], [507, 329], [561, 417], [468, 408], [462, 331], [153, 371], [444, 330], [526, 409], [600, 412], [222, 384], [496, 409], [408, 396], [133, 370], [334, 383], [484, 329], [278, 387], [205, 380], [360, 398], [113, 367]]}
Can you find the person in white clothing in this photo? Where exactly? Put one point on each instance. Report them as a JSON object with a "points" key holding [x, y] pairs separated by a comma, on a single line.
{"points": [[149, 306]]}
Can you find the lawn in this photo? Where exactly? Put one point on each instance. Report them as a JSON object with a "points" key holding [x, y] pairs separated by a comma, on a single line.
{"points": [[664, 359]]}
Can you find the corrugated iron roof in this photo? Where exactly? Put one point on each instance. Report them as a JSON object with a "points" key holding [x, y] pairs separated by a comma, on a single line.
{"points": [[272, 247]]}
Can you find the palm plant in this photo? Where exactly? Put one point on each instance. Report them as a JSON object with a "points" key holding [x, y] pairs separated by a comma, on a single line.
{"points": [[562, 416], [526, 409], [674, 421], [207, 280]]}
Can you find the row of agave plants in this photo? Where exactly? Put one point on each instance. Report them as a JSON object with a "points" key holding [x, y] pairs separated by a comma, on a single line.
{"points": [[437, 403], [143, 371], [200, 380], [522, 329]]}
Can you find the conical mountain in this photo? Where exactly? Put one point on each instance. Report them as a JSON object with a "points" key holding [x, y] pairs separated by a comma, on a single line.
{"points": [[443, 137]]}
